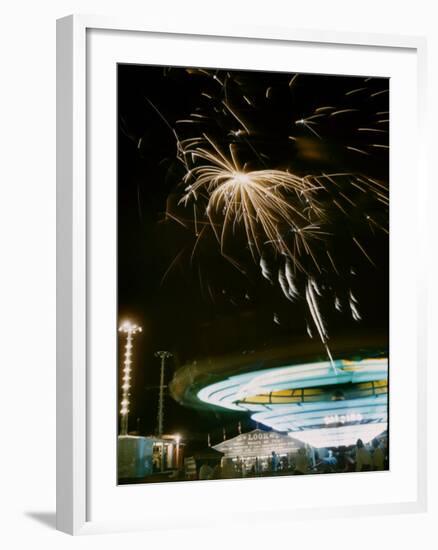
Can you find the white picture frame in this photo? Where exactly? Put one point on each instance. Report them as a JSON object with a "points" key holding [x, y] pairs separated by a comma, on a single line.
{"points": [[75, 393]]}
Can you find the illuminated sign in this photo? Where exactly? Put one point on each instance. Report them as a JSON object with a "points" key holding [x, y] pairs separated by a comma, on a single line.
{"points": [[258, 443], [343, 418]]}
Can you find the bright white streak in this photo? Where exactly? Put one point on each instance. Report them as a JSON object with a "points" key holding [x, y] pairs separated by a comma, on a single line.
{"points": [[283, 284], [293, 291]]}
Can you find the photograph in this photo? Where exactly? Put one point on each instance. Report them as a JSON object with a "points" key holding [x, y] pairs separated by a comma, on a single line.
{"points": [[219, 276], [252, 273]]}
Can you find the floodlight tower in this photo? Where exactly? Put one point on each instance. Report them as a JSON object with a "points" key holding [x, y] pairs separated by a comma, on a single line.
{"points": [[130, 329], [163, 355]]}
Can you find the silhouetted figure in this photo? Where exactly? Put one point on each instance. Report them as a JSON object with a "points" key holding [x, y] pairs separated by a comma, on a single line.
{"points": [[363, 457], [205, 471], [274, 461], [301, 462], [378, 457]]}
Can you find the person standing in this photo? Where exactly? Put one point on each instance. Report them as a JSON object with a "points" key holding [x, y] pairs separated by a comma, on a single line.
{"points": [[378, 456], [363, 457], [274, 461], [205, 471], [227, 468], [301, 462]]}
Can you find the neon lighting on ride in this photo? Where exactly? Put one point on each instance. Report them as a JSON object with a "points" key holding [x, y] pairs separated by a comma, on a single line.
{"points": [[230, 392], [339, 437], [295, 417], [326, 419]]}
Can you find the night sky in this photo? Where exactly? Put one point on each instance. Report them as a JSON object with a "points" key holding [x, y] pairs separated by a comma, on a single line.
{"points": [[205, 307]]}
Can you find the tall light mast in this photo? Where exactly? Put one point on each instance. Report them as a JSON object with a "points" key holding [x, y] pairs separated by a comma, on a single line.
{"points": [[130, 329]]}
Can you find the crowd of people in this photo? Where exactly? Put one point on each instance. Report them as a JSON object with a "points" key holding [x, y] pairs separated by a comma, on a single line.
{"points": [[359, 458]]}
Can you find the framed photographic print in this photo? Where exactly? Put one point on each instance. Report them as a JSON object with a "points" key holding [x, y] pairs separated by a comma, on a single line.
{"points": [[240, 296]]}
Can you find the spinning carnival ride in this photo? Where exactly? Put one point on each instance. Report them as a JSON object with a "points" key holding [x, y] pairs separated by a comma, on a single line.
{"points": [[320, 403]]}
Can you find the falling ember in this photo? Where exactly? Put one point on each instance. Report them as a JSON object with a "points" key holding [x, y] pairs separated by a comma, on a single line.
{"points": [[363, 251], [318, 320], [292, 80], [195, 219], [357, 150]]}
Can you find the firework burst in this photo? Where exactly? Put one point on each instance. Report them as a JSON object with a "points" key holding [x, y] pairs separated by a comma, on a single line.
{"points": [[268, 204], [290, 220]]}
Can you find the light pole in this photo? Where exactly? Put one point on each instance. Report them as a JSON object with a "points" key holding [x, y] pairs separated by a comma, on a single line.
{"points": [[129, 329], [163, 355], [178, 439]]}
